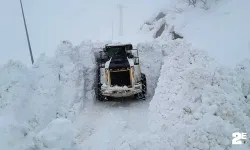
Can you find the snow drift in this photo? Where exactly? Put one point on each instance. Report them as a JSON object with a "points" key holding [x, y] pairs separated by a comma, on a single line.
{"points": [[198, 104], [32, 98]]}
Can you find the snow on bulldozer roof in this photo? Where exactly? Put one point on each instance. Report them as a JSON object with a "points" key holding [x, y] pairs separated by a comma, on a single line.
{"points": [[118, 44]]}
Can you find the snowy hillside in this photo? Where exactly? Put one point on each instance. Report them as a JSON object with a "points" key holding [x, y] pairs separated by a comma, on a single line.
{"points": [[219, 27]]}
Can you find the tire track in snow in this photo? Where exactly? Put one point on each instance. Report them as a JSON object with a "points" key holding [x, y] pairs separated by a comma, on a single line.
{"points": [[109, 121]]}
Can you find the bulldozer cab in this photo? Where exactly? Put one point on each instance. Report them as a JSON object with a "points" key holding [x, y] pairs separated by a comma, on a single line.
{"points": [[115, 51], [122, 51], [119, 50]]}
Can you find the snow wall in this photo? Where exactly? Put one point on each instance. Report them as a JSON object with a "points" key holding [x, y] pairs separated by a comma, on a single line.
{"points": [[197, 104]]}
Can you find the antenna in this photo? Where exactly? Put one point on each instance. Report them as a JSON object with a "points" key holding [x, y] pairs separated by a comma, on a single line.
{"points": [[112, 29], [120, 6]]}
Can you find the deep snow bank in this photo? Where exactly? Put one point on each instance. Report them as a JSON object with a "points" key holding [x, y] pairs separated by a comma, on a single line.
{"points": [[32, 97], [197, 104], [150, 55]]}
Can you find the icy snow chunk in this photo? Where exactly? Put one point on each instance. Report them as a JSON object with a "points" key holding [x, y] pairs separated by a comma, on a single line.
{"points": [[59, 134]]}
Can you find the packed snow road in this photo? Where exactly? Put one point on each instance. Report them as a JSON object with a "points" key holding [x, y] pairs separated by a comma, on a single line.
{"points": [[109, 123]]}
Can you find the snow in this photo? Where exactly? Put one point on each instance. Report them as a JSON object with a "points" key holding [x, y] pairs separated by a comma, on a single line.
{"points": [[150, 54], [118, 44], [52, 106], [233, 37], [193, 102], [40, 94], [63, 87], [58, 134], [198, 104], [222, 29], [13, 133]]}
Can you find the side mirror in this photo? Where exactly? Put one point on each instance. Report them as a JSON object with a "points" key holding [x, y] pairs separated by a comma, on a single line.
{"points": [[137, 61]]}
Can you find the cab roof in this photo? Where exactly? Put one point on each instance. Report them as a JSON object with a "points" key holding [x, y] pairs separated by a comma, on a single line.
{"points": [[118, 44]]}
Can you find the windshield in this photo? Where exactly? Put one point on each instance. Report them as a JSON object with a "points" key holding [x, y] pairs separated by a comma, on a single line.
{"points": [[116, 52]]}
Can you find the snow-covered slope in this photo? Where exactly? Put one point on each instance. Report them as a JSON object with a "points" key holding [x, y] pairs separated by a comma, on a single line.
{"points": [[221, 29]]}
